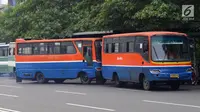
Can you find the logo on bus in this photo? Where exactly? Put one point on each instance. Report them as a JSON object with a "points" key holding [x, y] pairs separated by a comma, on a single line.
{"points": [[119, 58]]}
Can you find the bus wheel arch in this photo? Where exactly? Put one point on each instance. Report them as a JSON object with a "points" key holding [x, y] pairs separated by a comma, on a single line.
{"points": [[40, 78], [84, 77], [117, 81]]}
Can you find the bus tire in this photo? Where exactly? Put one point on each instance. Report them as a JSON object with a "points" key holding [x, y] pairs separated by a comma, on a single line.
{"points": [[175, 85], [40, 78], [18, 79], [59, 81], [146, 84], [84, 78], [117, 82]]}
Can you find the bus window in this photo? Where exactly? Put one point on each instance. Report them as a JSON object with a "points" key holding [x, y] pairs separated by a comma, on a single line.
{"points": [[141, 42], [106, 48], [109, 48], [127, 44], [10, 51], [35, 48], [67, 48], [3, 51], [25, 49], [79, 45], [130, 46], [43, 48], [71, 49], [57, 48], [87, 53], [116, 47]]}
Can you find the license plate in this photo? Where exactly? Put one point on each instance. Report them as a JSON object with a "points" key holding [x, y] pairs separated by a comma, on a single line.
{"points": [[174, 75]]}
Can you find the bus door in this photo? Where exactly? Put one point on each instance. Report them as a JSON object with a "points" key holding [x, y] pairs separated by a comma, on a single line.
{"points": [[87, 53], [140, 43]]}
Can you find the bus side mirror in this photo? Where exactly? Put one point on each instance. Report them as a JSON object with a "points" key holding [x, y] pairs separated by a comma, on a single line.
{"points": [[145, 47]]}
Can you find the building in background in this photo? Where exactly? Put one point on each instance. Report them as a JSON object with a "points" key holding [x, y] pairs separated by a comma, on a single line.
{"points": [[5, 3], [12, 2]]}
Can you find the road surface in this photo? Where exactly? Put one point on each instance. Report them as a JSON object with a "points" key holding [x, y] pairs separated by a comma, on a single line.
{"points": [[74, 97]]}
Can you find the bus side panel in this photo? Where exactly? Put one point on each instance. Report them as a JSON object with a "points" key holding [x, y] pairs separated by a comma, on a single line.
{"points": [[3, 64], [122, 72], [11, 58], [53, 70], [128, 66]]}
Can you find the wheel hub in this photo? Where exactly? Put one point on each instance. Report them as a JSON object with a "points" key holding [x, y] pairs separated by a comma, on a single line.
{"points": [[85, 78]]}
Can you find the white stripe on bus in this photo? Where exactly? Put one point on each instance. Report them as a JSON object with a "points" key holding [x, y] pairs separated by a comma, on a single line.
{"points": [[147, 66], [11, 63], [55, 61], [3, 62]]}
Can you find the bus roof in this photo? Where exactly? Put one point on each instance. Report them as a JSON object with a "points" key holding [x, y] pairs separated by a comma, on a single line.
{"points": [[150, 33], [54, 40], [94, 34]]}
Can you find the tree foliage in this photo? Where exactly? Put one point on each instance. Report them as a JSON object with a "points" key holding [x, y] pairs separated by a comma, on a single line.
{"points": [[60, 18]]}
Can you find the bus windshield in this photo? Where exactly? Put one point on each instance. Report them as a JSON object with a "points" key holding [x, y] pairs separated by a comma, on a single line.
{"points": [[170, 48]]}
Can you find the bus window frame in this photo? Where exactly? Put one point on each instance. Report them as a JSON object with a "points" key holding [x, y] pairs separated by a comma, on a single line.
{"points": [[47, 44]]}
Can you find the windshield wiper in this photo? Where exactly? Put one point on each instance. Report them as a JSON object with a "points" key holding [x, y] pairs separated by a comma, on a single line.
{"points": [[155, 52]]}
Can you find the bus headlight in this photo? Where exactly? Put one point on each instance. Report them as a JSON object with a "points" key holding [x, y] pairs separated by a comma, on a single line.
{"points": [[155, 72]]}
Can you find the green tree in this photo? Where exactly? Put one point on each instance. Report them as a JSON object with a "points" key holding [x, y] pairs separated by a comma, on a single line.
{"points": [[59, 18]]}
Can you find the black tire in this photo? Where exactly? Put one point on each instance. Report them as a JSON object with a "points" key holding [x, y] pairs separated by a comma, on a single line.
{"points": [[85, 79], [146, 84], [40, 78], [175, 85], [117, 82], [18, 79], [59, 81]]}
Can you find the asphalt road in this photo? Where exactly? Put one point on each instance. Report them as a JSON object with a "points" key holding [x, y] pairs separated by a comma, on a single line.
{"points": [[74, 97]]}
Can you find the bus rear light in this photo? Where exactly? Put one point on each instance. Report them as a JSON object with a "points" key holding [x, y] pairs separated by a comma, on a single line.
{"points": [[98, 68], [156, 72]]}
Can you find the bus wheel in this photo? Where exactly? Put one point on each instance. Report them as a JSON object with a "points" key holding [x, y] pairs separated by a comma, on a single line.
{"points": [[175, 85], [147, 85], [85, 79], [18, 79], [117, 82], [40, 78], [59, 81]]}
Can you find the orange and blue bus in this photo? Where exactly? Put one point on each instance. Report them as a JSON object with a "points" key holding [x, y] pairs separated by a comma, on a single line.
{"points": [[148, 58], [58, 59]]}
